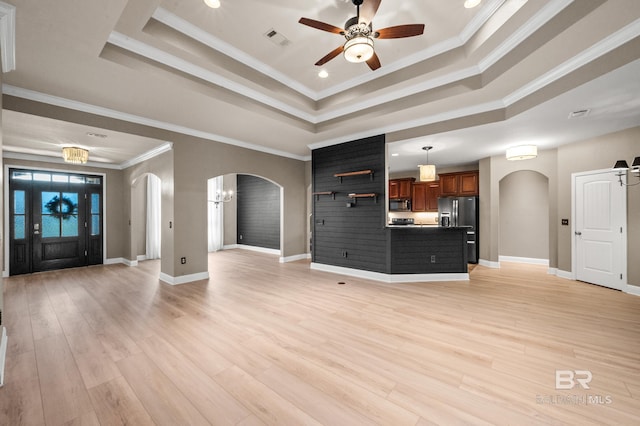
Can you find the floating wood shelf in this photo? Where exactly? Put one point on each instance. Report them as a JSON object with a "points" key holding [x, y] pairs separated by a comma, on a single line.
{"points": [[356, 173], [355, 196], [318, 194]]}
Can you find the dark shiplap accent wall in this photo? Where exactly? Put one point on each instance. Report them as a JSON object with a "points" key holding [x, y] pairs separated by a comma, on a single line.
{"points": [[411, 250], [258, 212], [359, 231]]}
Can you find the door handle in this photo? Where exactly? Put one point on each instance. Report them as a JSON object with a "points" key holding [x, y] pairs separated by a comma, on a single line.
{"points": [[578, 233]]}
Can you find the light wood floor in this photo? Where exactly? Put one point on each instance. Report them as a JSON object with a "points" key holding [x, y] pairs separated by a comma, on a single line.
{"points": [[266, 343]]}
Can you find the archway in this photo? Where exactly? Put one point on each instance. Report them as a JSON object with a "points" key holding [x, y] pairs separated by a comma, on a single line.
{"points": [[247, 212], [524, 218]]}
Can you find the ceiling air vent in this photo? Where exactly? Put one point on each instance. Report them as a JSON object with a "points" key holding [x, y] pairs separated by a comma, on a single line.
{"points": [[579, 113], [277, 38]]}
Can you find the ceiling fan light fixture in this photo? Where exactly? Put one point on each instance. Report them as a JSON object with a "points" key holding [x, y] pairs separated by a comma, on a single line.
{"points": [[75, 155], [469, 4], [522, 152], [358, 49], [213, 4]]}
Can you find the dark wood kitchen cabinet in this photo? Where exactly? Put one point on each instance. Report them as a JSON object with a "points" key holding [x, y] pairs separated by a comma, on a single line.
{"points": [[400, 188], [459, 184], [425, 197]]}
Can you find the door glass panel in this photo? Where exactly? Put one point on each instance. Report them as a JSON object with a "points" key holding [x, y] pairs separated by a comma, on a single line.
{"points": [[70, 226], [21, 175], [95, 203], [42, 177], [95, 214], [94, 180], [50, 202], [18, 227], [18, 202], [50, 226], [76, 179], [69, 214], [19, 215]]}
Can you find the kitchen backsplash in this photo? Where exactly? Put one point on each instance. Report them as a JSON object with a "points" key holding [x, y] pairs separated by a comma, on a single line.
{"points": [[430, 218]]}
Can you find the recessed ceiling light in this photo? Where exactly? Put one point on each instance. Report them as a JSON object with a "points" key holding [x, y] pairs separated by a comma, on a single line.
{"points": [[323, 74], [471, 3], [214, 4], [395, 154]]}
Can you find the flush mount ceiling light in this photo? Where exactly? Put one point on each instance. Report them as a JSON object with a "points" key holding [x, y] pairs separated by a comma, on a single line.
{"points": [[323, 74], [75, 155], [522, 152], [427, 171], [469, 4], [214, 4]]}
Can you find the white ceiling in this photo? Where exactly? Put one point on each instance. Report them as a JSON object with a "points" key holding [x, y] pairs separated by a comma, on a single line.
{"points": [[479, 80]]}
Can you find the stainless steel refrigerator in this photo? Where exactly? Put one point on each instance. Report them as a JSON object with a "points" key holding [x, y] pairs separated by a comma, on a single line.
{"points": [[461, 212]]}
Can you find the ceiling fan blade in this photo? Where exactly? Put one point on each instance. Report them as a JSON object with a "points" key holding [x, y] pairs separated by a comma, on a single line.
{"points": [[368, 10], [374, 62], [330, 56], [400, 31], [321, 26]]}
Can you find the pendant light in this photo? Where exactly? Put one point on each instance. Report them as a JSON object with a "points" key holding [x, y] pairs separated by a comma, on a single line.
{"points": [[427, 171]]}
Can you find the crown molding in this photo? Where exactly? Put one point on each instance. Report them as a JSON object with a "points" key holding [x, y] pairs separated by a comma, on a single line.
{"points": [[8, 36], [524, 32], [106, 112], [165, 147], [599, 49], [158, 55], [197, 33]]}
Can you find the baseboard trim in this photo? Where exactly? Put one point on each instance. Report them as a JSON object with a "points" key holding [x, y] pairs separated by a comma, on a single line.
{"points": [[389, 278], [258, 249], [116, 260], [183, 279], [230, 247], [565, 274], [142, 257], [552, 271], [295, 258], [3, 353], [527, 260], [632, 289], [489, 264]]}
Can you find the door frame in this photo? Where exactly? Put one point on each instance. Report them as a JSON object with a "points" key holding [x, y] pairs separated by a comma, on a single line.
{"points": [[623, 242], [6, 231]]}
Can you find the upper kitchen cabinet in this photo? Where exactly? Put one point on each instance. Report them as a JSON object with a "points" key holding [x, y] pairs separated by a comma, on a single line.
{"points": [[459, 184], [425, 197], [400, 188]]}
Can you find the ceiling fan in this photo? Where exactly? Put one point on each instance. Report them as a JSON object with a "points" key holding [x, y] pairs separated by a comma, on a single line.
{"points": [[359, 34]]}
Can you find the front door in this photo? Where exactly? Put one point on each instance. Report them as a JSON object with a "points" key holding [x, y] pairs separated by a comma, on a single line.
{"points": [[55, 220], [600, 221]]}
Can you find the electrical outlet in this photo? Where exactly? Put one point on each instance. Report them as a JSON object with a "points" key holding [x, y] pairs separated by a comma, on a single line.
{"points": [[433, 258], [183, 260], [344, 253]]}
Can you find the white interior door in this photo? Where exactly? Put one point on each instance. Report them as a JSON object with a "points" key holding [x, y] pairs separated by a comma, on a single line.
{"points": [[600, 217]]}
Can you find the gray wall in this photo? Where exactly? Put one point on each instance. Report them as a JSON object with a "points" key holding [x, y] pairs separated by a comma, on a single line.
{"points": [[598, 154], [557, 165], [524, 215]]}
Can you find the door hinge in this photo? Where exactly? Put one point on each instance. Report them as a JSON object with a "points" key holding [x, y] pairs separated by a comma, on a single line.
{"points": [[85, 252], [85, 224], [621, 229], [85, 196], [620, 276]]}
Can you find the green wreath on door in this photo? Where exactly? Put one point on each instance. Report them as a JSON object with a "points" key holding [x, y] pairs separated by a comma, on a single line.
{"points": [[62, 208]]}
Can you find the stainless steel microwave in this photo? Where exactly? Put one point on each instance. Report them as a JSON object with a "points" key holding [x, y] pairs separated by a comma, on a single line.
{"points": [[399, 205]]}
